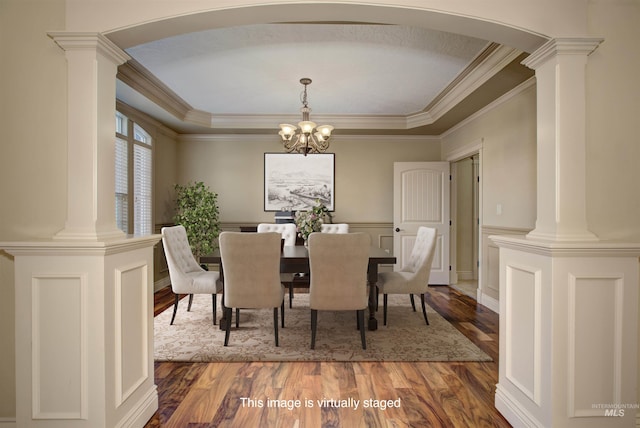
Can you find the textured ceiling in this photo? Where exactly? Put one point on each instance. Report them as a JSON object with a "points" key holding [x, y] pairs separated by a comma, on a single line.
{"points": [[251, 74]]}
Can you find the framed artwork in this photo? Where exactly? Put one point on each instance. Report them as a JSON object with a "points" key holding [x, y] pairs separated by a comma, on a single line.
{"points": [[294, 182]]}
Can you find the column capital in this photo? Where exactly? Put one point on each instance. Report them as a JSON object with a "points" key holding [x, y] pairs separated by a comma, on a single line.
{"points": [[71, 41], [563, 46]]}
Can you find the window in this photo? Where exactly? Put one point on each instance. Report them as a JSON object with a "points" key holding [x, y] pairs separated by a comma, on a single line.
{"points": [[133, 177]]}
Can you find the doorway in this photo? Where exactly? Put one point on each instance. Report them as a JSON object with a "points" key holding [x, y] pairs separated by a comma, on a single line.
{"points": [[466, 224]]}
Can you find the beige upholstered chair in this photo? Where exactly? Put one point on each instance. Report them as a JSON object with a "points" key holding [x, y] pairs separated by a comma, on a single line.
{"points": [[413, 278], [338, 264], [334, 228], [186, 275], [286, 230], [251, 266]]}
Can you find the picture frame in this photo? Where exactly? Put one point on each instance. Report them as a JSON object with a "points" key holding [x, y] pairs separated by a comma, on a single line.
{"points": [[294, 182]]}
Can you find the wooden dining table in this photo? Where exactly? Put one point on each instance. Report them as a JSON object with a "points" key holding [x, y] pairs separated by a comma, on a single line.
{"points": [[295, 259]]}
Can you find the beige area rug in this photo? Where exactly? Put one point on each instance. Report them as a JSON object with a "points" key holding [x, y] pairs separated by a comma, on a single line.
{"points": [[192, 337]]}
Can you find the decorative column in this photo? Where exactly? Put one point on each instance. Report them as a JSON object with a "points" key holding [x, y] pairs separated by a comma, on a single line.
{"points": [[561, 114], [568, 301], [92, 64], [84, 299]]}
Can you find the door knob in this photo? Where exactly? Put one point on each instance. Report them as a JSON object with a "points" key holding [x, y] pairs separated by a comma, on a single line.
{"points": [[397, 229]]}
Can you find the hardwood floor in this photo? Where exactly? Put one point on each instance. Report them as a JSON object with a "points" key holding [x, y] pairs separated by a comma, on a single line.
{"points": [[420, 394]]}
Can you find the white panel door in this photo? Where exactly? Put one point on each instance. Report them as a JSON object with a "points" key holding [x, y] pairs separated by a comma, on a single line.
{"points": [[421, 198]]}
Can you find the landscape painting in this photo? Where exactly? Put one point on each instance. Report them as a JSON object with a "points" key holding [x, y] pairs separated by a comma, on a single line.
{"points": [[294, 182]]}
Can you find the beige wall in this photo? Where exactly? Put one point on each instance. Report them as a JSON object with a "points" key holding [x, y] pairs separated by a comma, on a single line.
{"points": [[33, 176], [613, 103], [234, 168], [508, 164]]}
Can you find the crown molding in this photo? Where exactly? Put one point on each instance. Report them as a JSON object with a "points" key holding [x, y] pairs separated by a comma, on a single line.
{"points": [[503, 99], [484, 66], [141, 116], [270, 138], [143, 81]]}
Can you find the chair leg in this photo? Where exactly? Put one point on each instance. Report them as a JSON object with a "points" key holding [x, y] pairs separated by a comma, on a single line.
{"points": [[213, 297], [290, 295], [237, 317], [424, 309], [227, 331], [384, 307], [175, 308], [362, 329], [282, 312], [275, 324], [190, 302], [314, 324], [413, 304]]}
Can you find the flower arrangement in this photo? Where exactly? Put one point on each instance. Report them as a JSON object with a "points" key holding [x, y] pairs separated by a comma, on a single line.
{"points": [[308, 222]]}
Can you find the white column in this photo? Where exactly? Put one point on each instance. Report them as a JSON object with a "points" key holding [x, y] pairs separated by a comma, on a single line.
{"points": [[561, 109], [92, 64], [568, 301]]}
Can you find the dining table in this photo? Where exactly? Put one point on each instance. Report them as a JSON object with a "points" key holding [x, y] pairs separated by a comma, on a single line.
{"points": [[295, 259]]}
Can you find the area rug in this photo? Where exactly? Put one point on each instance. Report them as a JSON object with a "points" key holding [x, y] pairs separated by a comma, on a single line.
{"points": [[194, 338]]}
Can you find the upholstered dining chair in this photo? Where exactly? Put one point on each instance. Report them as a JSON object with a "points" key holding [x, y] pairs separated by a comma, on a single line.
{"points": [[413, 278], [334, 228], [288, 232], [338, 264], [186, 275], [251, 266]]}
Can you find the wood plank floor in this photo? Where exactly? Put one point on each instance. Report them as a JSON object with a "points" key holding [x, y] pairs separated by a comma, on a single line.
{"points": [[264, 394]]}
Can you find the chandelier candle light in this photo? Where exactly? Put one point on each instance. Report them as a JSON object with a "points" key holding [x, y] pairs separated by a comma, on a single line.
{"points": [[310, 138]]}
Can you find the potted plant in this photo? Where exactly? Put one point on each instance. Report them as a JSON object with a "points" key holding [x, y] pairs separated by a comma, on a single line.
{"points": [[197, 210]]}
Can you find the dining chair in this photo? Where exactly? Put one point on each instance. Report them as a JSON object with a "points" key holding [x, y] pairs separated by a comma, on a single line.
{"points": [[334, 228], [185, 274], [251, 266], [288, 232], [413, 278], [338, 265]]}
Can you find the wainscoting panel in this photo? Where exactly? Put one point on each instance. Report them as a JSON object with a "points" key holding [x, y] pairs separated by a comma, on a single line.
{"points": [[523, 322], [131, 345], [595, 329], [59, 361]]}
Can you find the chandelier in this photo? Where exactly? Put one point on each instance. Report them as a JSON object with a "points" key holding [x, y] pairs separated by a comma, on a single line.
{"points": [[309, 138]]}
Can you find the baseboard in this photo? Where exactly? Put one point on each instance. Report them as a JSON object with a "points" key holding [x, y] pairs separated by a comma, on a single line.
{"points": [[517, 416], [161, 283], [142, 412], [8, 423], [488, 301], [465, 275]]}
